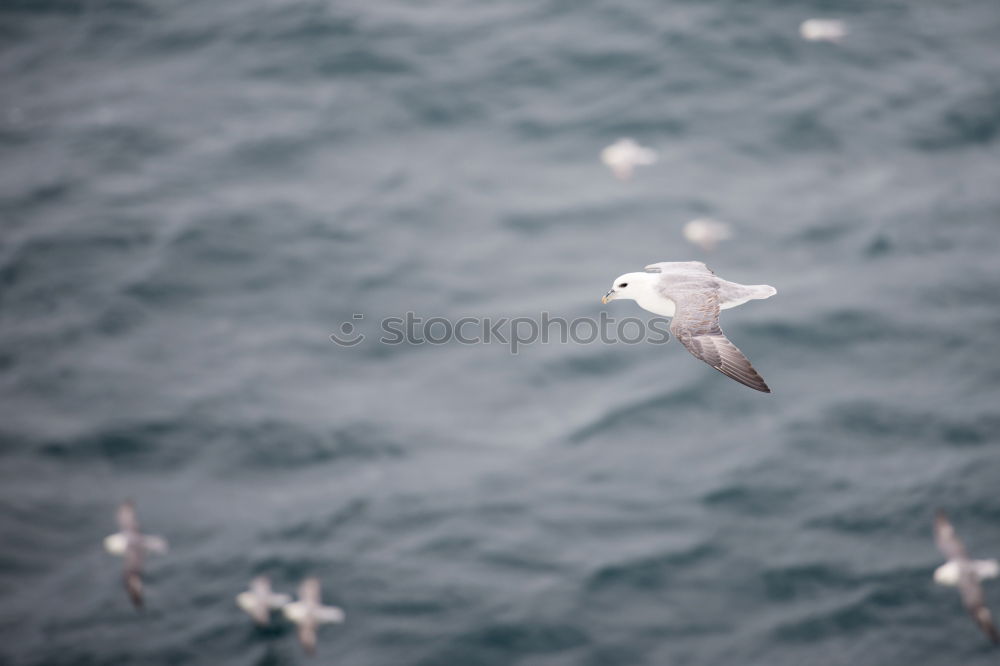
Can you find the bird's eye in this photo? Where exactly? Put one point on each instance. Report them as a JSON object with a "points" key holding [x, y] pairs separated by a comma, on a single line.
{"points": [[623, 285]]}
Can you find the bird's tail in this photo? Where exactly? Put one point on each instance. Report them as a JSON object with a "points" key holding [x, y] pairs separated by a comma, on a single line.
{"points": [[761, 291], [154, 544], [330, 614], [987, 568], [646, 156]]}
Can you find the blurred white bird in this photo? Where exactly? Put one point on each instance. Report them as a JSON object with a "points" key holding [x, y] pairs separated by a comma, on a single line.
{"points": [[823, 30], [259, 600], [308, 612], [706, 233], [965, 573], [624, 155], [133, 545]]}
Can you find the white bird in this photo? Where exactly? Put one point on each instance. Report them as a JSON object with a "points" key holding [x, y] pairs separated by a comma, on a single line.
{"points": [[966, 574], [133, 545], [823, 30], [706, 233], [308, 612], [259, 600], [624, 155], [693, 295]]}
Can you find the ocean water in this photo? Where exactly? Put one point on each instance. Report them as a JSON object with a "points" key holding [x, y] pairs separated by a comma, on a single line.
{"points": [[195, 194]]}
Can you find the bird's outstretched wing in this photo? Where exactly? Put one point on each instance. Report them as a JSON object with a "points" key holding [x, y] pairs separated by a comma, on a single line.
{"points": [[696, 326], [307, 636], [261, 586], [947, 541], [133, 584], [975, 603], [127, 521], [309, 591], [132, 574], [686, 268]]}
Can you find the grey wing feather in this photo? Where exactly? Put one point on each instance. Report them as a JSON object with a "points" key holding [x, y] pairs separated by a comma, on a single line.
{"points": [[974, 602], [307, 636], [309, 591], [133, 584], [696, 326], [127, 521], [688, 267], [947, 541], [133, 560], [154, 544], [133, 575], [261, 586]]}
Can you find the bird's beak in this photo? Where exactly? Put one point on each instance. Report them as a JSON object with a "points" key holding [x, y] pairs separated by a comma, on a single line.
{"points": [[610, 296]]}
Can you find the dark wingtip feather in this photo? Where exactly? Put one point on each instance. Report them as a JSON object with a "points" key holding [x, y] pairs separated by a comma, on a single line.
{"points": [[990, 630], [984, 619], [133, 584], [753, 380]]}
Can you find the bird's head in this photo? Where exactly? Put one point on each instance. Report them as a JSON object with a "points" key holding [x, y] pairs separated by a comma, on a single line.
{"points": [[947, 574], [627, 286]]}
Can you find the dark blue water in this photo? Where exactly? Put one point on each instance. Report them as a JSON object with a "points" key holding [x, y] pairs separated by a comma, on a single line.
{"points": [[195, 195]]}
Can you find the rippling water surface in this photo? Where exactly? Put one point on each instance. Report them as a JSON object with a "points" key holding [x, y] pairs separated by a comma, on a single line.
{"points": [[195, 195]]}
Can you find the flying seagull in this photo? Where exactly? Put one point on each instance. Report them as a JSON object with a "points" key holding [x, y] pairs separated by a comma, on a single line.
{"points": [[706, 233], [692, 294], [133, 545], [965, 573], [308, 612], [259, 600], [823, 30], [624, 155]]}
